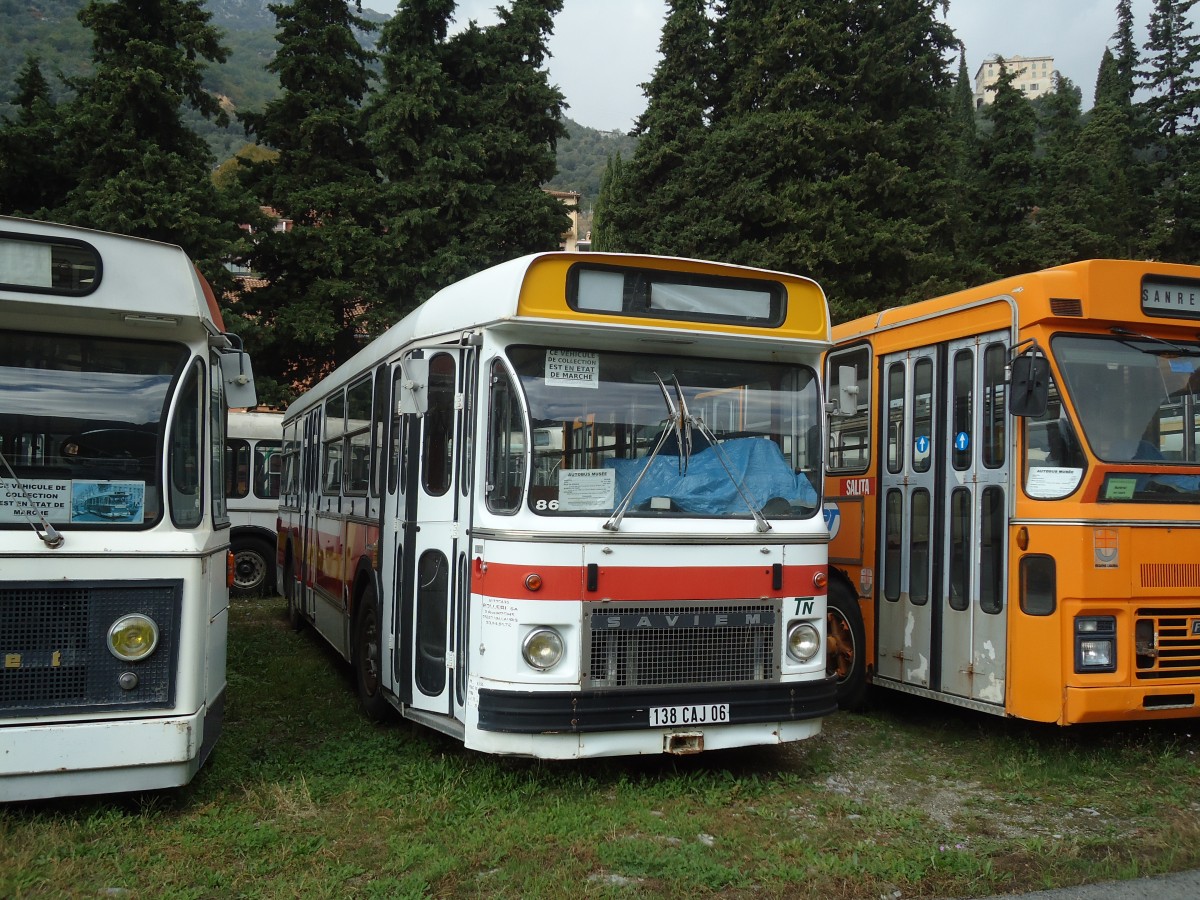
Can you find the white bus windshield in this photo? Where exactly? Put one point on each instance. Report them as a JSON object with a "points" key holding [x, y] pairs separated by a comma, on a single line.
{"points": [[1138, 401], [81, 426], [597, 416]]}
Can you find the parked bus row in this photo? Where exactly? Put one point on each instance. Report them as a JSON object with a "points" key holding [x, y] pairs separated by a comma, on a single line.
{"points": [[593, 504]]}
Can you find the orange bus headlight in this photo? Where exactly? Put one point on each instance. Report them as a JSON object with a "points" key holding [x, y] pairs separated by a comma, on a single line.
{"points": [[133, 637], [1095, 644]]}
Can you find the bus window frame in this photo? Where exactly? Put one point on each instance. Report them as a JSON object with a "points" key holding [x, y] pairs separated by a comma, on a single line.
{"points": [[865, 394]]}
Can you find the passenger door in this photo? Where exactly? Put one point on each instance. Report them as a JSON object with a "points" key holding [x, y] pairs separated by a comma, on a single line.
{"points": [[943, 522], [425, 562]]}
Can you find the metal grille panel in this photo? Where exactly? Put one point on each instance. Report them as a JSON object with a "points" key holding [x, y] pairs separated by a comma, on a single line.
{"points": [[54, 646], [1176, 645], [683, 644], [1170, 575]]}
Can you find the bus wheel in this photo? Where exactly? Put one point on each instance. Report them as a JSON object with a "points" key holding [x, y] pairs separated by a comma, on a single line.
{"points": [[845, 645], [368, 658], [252, 562]]}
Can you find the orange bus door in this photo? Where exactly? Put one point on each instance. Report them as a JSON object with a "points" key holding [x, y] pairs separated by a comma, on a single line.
{"points": [[972, 515]]}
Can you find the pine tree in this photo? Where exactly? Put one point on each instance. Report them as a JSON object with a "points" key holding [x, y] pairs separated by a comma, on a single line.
{"points": [[1005, 204], [663, 205], [138, 168], [1126, 56], [322, 292], [605, 236], [1067, 226], [33, 174], [464, 130], [1173, 51], [1119, 181], [517, 115]]}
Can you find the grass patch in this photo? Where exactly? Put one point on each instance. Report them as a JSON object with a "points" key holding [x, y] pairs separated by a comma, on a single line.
{"points": [[304, 797]]}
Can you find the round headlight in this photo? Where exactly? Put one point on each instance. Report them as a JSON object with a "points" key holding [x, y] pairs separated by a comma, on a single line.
{"points": [[803, 642], [543, 648], [133, 637]]}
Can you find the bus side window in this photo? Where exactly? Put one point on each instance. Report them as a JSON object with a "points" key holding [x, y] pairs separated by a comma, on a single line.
{"points": [[849, 447], [237, 468], [331, 456]]}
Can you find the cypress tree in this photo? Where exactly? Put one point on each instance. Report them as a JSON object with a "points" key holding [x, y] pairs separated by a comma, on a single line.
{"points": [[1173, 50], [661, 195], [33, 175], [138, 168], [1005, 204], [464, 130], [1119, 183], [322, 296], [1067, 224]]}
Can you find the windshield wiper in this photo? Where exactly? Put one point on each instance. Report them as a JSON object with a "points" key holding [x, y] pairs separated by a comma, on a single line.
{"points": [[48, 535], [1177, 349], [680, 423]]}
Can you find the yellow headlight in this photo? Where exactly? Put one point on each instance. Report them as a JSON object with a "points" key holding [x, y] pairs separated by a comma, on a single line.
{"points": [[133, 637]]}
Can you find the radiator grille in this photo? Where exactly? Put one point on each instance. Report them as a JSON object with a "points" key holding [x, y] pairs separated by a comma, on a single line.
{"points": [[54, 652], [1168, 643], [1170, 575], [682, 644]]}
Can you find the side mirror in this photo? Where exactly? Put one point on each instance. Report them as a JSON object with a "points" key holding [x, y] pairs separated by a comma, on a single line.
{"points": [[1029, 386], [238, 376], [414, 400], [847, 399]]}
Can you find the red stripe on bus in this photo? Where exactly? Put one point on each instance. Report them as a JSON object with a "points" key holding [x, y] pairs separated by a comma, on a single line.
{"points": [[644, 583]]}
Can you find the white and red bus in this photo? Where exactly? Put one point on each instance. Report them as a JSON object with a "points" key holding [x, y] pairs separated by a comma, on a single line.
{"points": [[115, 376], [571, 507], [253, 464]]}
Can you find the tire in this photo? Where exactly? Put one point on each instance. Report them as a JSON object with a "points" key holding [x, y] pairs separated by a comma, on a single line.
{"points": [[253, 567], [846, 644], [368, 658]]}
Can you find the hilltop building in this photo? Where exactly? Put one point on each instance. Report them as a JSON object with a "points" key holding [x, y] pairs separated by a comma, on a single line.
{"points": [[1035, 76]]}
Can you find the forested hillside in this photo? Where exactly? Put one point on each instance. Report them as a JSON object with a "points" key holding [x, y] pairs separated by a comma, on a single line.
{"points": [[50, 30]]}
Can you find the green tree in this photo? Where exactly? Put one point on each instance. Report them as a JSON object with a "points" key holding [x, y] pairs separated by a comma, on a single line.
{"points": [[1007, 240], [1067, 225], [1126, 56], [1173, 51], [659, 205], [1111, 139], [603, 232], [138, 168], [464, 130], [836, 129], [33, 174], [322, 276]]}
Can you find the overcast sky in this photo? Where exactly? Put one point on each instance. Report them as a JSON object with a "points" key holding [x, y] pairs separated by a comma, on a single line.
{"points": [[604, 50]]}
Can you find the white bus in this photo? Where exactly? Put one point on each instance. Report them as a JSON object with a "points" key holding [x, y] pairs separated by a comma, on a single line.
{"points": [[571, 507], [115, 375], [252, 469]]}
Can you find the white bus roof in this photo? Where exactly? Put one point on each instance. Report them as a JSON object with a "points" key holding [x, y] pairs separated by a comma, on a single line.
{"points": [[490, 297], [138, 282]]}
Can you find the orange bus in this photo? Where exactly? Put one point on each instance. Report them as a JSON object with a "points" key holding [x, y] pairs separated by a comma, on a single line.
{"points": [[1013, 496]]}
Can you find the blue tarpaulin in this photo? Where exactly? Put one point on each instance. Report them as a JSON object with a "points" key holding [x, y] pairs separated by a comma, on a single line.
{"points": [[757, 464]]}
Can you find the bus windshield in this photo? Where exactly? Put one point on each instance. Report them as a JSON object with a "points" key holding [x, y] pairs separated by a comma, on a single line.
{"points": [[1138, 401], [597, 417], [81, 422]]}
